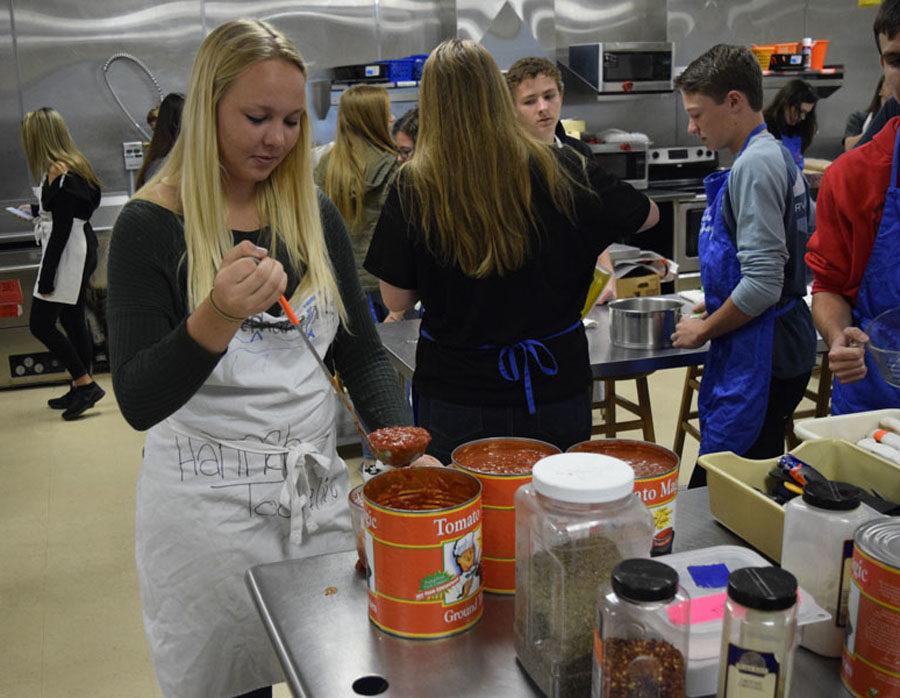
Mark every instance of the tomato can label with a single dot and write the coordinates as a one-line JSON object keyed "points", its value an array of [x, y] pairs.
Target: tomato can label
{"points": [[502, 465], [424, 564], [871, 657]]}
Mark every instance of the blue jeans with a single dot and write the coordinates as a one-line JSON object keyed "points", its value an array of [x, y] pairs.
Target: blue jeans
{"points": [[451, 424]]}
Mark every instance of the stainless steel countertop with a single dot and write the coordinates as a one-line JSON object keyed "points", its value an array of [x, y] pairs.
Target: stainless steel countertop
{"points": [[607, 360], [324, 640]]}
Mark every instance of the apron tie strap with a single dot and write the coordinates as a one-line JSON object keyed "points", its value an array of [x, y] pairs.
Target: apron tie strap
{"points": [[530, 350], [296, 494]]}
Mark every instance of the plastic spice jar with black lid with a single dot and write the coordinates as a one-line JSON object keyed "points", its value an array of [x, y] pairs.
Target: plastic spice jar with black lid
{"points": [[638, 649], [759, 630]]}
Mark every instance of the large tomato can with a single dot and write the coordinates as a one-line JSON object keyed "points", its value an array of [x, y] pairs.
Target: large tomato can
{"points": [[871, 659], [502, 465], [424, 549], [655, 481]]}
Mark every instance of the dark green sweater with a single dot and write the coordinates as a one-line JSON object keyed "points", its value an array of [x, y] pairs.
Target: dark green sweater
{"points": [[157, 366]]}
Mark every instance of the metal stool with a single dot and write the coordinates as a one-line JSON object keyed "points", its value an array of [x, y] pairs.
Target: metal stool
{"points": [[608, 426], [685, 413]]}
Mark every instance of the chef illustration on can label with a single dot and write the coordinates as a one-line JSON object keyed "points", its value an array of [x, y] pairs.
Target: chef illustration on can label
{"points": [[462, 559]]}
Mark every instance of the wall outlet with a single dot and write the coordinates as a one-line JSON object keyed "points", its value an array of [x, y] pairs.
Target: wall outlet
{"points": [[134, 154]]}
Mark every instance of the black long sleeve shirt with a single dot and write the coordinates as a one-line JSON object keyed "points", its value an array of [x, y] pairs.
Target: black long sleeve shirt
{"points": [[157, 366]]}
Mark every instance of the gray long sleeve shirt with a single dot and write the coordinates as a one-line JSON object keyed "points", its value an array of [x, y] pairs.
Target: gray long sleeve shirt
{"points": [[770, 247]]}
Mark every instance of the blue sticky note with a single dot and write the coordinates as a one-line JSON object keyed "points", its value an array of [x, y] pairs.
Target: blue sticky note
{"points": [[709, 576]]}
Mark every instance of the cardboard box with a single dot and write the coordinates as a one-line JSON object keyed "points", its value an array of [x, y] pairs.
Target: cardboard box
{"points": [[634, 286], [750, 514]]}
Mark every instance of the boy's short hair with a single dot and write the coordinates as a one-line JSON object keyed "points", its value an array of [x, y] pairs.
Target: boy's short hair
{"points": [[408, 124], [529, 68], [721, 69], [887, 21]]}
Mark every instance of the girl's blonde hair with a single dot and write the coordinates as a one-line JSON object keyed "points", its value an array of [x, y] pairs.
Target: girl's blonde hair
{"points": [[471, 178], [287, 201], [363, 117], [46, 140]]}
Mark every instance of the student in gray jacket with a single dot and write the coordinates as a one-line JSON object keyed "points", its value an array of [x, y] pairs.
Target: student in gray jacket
{"points": [[752, 242]]}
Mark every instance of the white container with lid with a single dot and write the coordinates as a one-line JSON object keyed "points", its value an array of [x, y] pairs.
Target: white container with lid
{"points": [[704, 575], [818, 548], [575, 522]]}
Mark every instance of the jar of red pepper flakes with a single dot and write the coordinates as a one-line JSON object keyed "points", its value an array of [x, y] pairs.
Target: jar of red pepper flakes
{"points": [[638, 649]]}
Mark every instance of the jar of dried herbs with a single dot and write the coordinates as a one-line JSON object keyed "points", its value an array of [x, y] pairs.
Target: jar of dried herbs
{"points": [[575, 522], [639, 649]]}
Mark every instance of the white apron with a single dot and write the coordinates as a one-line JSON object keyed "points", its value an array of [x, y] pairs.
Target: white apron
{"points": [[70, 271], [245, 473]]}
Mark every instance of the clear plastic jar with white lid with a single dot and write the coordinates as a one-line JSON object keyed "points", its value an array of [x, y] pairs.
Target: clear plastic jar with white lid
{"points": [[639, 649], [576, 520], [817, 548], [759, 634]]}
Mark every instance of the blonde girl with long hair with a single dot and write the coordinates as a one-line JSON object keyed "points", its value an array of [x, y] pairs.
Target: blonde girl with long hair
{"points": [[359, 169], [497, 234], [240, 465], [68, 193]]}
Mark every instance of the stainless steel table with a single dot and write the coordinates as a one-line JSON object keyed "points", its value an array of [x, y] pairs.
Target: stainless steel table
{"points": [[315, 613], [607, 360]]}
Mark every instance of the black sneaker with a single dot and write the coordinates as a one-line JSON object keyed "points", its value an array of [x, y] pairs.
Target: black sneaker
{"points": [[85, 396], [63, 401]]}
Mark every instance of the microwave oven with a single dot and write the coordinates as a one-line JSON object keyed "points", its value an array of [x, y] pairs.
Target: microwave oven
{"points": [[624, 67], [627, 161], [687, 220]]}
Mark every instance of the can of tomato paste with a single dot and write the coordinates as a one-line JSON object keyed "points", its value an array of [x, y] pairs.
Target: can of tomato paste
{"points": [[871, 660], [423, 545], [655, 481], [502, 465]]}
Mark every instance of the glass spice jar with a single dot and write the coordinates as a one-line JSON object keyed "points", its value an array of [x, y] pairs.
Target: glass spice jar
{"points": [[638, 650], [575, 522], [759, 634]]}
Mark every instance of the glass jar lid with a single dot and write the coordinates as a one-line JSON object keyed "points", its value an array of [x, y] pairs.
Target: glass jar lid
{"points": [[763, 588], [639, 579], [583, 478]]}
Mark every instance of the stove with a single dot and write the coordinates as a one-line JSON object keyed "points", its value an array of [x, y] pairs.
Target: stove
{"points": [[681, 168]]}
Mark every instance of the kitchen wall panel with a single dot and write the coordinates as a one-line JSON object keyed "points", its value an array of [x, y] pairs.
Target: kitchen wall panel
{"points": [[509, 29], [587, 21], [14, 182], [62, 47]]}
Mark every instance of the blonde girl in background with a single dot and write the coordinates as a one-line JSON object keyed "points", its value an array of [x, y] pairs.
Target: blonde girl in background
{"points": [[357, 172], [68, 192], [240, 465]]}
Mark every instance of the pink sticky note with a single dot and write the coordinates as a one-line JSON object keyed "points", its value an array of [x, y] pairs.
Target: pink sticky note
{"points": [[702, 610]]}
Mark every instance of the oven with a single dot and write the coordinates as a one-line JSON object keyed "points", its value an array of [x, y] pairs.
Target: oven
{"points": [[627, 161], [624, 67], [687, 215]]}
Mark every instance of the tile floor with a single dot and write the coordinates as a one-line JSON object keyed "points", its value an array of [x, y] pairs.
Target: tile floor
{"points": [[70, 621]]}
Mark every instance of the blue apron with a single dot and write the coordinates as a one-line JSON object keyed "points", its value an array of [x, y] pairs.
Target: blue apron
{"points": [[794, 145], [878, 292], [514, 360], [734, 392]]}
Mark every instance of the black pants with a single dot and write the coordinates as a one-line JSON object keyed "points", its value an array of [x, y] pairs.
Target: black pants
{"points": [[561, 423], [74, 348], [784, 396]]}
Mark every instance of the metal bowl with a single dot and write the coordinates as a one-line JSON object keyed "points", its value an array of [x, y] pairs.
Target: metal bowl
{"points": [[643, 323]]}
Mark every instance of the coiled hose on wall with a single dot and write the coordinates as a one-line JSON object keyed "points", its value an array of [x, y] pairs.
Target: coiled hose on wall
{"points": [[140, 64]]}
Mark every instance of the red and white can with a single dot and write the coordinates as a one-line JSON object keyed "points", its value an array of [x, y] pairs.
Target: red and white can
{"points": [[655, 481], [871, 660], [423, 549], [502, 465]]}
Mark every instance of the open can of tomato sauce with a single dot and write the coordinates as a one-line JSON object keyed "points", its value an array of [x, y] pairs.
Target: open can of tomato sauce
{"points": [[423, 543], [502, 465], [871, 660], [655, 481]]}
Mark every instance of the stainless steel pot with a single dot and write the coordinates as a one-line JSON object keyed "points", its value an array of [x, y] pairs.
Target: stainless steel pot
{"points": [[643, 323]]}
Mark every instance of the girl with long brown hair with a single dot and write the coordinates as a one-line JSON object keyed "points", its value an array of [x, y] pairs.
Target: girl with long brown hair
{"points": [[69, 193], [497, 234], [358, 171]]}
